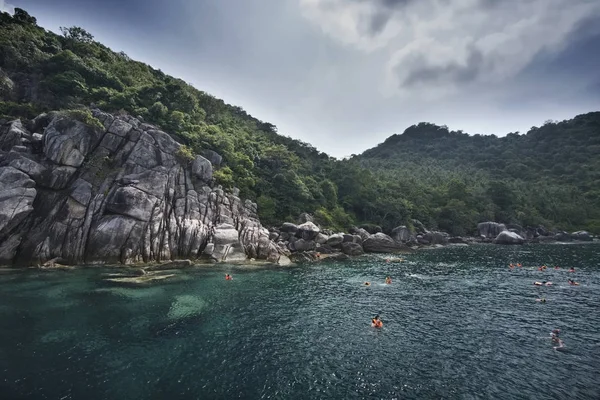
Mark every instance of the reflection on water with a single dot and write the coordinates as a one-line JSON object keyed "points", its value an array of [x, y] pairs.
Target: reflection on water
{"points": [[458, 323]]}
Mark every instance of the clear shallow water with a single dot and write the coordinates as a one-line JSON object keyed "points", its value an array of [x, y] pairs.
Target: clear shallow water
{"points": [[457, 324]]}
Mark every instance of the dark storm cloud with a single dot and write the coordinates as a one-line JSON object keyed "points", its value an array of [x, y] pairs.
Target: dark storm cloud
{"points": [[345, 74], [421, 73]]}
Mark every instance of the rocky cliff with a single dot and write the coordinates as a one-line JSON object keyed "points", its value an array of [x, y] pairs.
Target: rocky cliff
{"points": [[111, 189]]}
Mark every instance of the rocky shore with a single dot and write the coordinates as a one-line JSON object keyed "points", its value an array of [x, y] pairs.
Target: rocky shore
{"points": [[77, 188]]}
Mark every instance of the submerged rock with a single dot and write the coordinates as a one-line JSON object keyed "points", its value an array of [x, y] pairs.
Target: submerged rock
{"points": [[140, 280]]}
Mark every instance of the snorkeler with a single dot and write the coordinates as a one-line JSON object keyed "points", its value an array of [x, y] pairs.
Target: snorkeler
{"points": [[388, 280], [228, 277], [376, 322]]}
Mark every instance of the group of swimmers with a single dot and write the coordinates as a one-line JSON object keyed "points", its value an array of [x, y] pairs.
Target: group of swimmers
{"points": [[543, 268], [554, 335], [376, 322], [388, 281]]}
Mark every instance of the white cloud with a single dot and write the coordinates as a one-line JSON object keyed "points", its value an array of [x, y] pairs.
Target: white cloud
{"points": [[6, 7], [434, 47]]}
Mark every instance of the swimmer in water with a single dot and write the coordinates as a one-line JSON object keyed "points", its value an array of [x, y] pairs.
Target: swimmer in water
{"points": [[519, 265], [572, 269], [557, 267], [388, 280], [376, 322], [367, 283], [228, 277], [542, 300], [573, 283], [554, 335], [511, 266]]}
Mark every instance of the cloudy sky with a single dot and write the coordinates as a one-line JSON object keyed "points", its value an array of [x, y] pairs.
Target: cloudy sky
{"points": [[345, 74]]}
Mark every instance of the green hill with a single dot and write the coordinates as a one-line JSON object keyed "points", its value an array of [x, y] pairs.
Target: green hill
{"points": [[448, 180]]}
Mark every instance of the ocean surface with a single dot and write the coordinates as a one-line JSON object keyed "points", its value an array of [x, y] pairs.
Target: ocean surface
{"points": [[458, 324]]}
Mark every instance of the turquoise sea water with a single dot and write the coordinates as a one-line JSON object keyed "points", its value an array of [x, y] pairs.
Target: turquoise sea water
{"points": [[458, 324]]}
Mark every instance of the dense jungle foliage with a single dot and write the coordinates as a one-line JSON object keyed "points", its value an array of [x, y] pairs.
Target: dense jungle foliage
{"points": [[448, 180]]}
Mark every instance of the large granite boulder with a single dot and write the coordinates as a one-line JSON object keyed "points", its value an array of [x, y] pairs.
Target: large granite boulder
{"points": [[382, 243], [490, 229], [308, 231], [403, 234], [582, 235], [321, 238], [227, 244], [202, 169], [335, 240], [563, 237], [434, 237], [352, 249], [507, 237], [288, 227], [302, 245]]}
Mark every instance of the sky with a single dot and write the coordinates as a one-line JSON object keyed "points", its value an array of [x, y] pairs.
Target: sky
{"points": [[344, 75]]}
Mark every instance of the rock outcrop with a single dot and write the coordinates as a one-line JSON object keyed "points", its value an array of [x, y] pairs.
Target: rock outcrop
{"points": [[507, 237], [120, 191], [490, 230], [403, 234], [382, 243]]}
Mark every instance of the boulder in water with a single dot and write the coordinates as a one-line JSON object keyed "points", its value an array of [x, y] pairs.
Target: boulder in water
{"points": [[352, 249], [382, 243], [507, 237], [582, 235], [308, 231]]}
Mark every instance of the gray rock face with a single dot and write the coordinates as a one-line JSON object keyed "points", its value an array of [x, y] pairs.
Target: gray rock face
{"points": [[288, 227], [382, 243], [352, 249], [507, 237], [434, 237], [202, 169], [302, 245], [308, 231], [335, 240], [321, 238], [403, 234], [490, 229], [16, 198], [582, 235], [563, 237], [116, 195]]}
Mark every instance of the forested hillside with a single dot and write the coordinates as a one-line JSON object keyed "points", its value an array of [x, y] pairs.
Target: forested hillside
{"points": [[448, 180]]}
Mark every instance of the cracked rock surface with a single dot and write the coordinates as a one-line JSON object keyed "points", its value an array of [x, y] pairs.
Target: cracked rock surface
{"points": [[117, 194]]}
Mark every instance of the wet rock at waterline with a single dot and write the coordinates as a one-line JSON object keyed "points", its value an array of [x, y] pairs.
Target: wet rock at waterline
{"points": [[507, 237], [119, 191], [382, 243]]}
